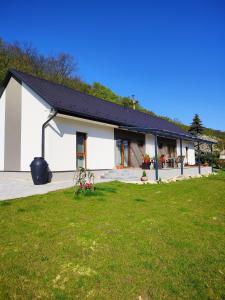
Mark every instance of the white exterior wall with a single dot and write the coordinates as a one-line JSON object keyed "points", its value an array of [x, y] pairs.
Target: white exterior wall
{"points": [[191, 151], [150, 149], [60, 137], [2, 130], [150, 145], [34, 113], [62, 144]]}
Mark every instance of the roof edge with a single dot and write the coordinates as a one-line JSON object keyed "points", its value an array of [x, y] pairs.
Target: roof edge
{"points": [[13, 72]]}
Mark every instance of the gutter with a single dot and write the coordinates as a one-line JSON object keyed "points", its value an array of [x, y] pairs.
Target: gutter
{"points": [[43, 132]]}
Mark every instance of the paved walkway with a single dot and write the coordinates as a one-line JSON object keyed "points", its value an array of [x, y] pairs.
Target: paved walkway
{"points": [[19, 185], [167, 173], [12, 188], [17, 188]]}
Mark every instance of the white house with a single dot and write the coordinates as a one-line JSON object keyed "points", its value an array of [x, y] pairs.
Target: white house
{"points": [[83, 130]]}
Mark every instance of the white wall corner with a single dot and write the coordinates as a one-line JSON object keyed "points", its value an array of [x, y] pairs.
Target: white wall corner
{"points": [[188, 150], [150, 145], [2, 130], [35, 112]]}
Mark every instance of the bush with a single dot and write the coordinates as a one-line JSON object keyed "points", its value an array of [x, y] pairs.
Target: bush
{"points": [[221, 163], [206, 157], [84, 182], [144, 174]]}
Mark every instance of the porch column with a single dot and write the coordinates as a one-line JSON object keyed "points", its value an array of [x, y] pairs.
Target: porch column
{"points": [[181, 159], [156, 159], [211, 149], [199, 162]]}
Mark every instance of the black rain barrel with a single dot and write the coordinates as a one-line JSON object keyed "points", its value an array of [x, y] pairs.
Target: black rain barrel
{"points": [[39, 171]]}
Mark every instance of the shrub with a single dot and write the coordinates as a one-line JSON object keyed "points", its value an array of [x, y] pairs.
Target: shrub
{"points": [[84, 182], [206, 157], [144, 174], [221, 163]]}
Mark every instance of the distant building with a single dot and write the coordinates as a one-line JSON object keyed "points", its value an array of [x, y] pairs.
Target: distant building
{"points": [[222, 154]]}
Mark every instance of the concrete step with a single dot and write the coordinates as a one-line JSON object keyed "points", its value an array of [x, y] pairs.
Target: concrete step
{"points": [[124, 174]]}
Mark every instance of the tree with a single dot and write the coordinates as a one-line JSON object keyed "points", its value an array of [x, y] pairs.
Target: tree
{"points": [[57, 68], [127, 102], [196, 125], [100, 91]]}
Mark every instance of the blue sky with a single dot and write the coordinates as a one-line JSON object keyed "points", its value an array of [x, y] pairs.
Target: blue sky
{"points": [[170, 54]]}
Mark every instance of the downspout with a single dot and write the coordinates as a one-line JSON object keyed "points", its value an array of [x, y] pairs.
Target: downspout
{"points": [[211, 150], [156, 159], [199, 161], [181, 158], [43, 133]]}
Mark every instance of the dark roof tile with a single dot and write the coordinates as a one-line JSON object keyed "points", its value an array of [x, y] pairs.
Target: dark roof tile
{"points": [[72, 102]]}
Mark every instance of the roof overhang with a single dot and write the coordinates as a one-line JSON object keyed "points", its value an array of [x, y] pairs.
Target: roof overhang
{"points": [[168, 134], [87, 120]]}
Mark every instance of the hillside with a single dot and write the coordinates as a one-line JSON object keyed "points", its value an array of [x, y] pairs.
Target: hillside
{"points": [[61, 69]]}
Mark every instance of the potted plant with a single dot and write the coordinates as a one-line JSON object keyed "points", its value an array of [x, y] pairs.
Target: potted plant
{"points": [[162, 161], [146, 162], [146, 158], [144, 176]]}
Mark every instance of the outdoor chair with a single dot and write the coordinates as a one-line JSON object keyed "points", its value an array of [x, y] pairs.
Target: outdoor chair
{"points": [[179, 160]]}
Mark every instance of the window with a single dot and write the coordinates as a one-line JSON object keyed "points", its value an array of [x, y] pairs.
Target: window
{"points": [[186, 154], [81, 150]]}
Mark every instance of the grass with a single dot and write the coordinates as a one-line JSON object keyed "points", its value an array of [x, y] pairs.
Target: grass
{"points": [[162, 241]]}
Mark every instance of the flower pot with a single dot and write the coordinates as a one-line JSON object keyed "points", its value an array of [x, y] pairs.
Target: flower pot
{"points": [[144, 178], [146, 166]]}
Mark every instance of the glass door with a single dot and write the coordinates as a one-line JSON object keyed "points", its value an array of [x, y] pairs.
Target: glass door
{"points": [[125, 153], [118, 153], [122, 153], [81, 150]]}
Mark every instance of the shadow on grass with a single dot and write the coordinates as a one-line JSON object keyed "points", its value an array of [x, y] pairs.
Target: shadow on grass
{"points": [[220, 176], [106, 189], [99, 193], [21, 210], [5, 203], [32, 208], [139, 200]]}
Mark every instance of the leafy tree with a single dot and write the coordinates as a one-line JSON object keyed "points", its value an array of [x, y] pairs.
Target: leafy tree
{"points": [[26, 58], [196, 126], [100, 91], [127, 102]]}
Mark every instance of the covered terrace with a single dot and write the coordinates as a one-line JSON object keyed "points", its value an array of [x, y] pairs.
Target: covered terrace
{"points": [[157, 133]]}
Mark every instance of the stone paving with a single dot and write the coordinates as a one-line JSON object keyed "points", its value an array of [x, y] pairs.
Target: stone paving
{"points": [[12, 188], [131, 175], [20, 185], [17, 188]]}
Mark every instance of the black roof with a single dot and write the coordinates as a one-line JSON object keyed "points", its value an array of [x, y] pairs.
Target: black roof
{"points": [[71, 102]]}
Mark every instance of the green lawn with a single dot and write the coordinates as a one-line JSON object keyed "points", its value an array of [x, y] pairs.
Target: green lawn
{"points": [[163, 241]]}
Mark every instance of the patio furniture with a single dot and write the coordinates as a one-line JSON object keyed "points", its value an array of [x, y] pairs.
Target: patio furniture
{"points": [[146, 166], [162, 161], [171, 162], [179, 160]]}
